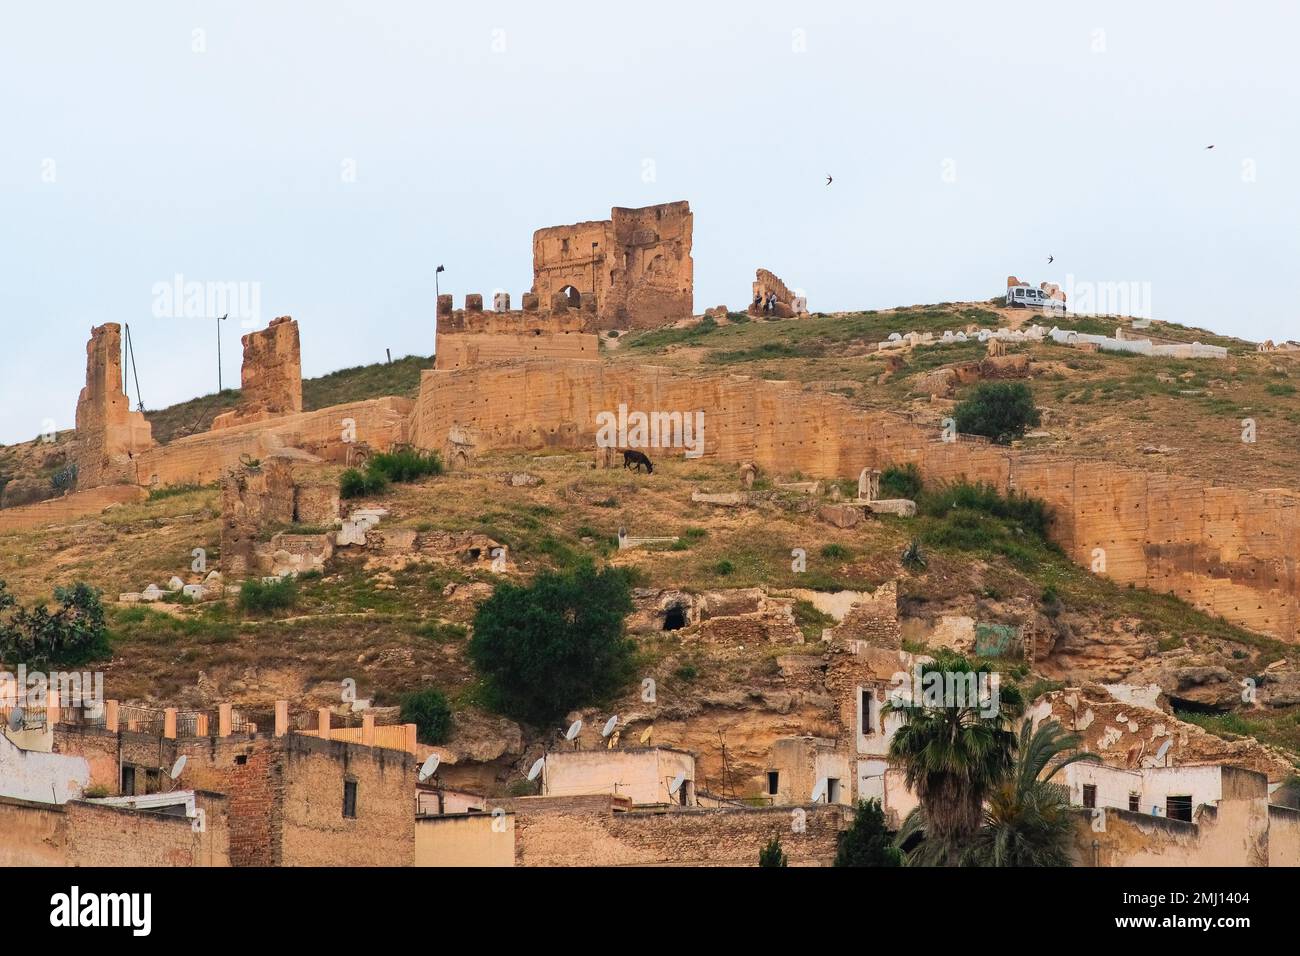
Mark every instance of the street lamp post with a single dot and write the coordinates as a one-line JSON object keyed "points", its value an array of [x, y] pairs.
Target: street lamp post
{"points": [[220, 319]]}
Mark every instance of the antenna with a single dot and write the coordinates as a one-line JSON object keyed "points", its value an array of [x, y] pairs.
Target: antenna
{"points": [[16, 717], [819, 791], [645, 736], [609, 726], [536, 768], [175, 771], [429, 767]]}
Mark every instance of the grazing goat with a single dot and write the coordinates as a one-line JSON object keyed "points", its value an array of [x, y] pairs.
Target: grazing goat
{"points": [[631, 458]]}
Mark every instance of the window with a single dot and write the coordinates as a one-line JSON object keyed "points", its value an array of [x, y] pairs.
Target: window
{"points": [[1135, 802], [350, 798], [865, 699], [1179, 808], [773, 782], [832, 790], [564, 246], [1089, 795], [152, 781], [128, 781]]}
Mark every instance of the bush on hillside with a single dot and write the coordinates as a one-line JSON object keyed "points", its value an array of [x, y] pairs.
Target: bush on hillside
{"points": [[558, 643], [1000, 411]]}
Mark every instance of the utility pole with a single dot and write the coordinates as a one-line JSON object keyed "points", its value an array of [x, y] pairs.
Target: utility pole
{"points": [[219, 321]]}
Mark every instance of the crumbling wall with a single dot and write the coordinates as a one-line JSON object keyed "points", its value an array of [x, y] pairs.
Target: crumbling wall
{"points": [[271, 375], [1228, 551], [634, 270], [109, 434], [788, 305], [466, 337]]}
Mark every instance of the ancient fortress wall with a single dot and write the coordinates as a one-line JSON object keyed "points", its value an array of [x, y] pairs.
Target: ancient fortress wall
{"points": [[199, 459], [68, 508], [1228, 551], [270, 377]]}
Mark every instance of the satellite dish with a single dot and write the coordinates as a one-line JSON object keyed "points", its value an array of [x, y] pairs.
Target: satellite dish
{"points": [[609, 726], [676, 784], [1164, 749], [429, 767], [819, 791], [177, 767], [536, 768], [645, 736], [575, 728], [16, 718]]}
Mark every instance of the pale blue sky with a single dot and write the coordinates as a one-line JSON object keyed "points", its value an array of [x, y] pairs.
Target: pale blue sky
{"points": [[227, 165]]}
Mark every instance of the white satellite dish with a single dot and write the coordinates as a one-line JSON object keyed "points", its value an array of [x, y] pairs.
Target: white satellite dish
{"points": [[16, 719], [609, 726], [429, 767], [575, 728], [1164, 749], [177, 767], [819, 791], [676, 784], [536, 768]]}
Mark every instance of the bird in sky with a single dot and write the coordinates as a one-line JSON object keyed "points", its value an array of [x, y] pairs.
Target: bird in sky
{"points": [[828, 180], [1211, 146], [1050, 259]]}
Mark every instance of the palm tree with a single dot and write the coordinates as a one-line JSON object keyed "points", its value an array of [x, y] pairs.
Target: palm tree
{"points": [[954, 755], [1027, 821]]}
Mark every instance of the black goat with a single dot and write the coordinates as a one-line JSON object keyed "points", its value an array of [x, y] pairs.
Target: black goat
{"points": [[632, 457]]}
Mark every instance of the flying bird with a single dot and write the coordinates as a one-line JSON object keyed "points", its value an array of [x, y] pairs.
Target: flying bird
{"points": [[1211, 146], [1050, 259], [828, 180]]}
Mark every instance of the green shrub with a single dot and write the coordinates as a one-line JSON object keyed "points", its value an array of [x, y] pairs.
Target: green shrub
{"points": [[724, 568], [867, 842], [429, 711], [555, 644], [772, 854], [1029, 514], [355, 483], [1001, 411], [73, 634], [904, 482], [835, 552], [405, 464], [262, 597]]}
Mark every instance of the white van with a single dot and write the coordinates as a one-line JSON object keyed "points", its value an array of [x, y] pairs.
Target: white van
{"points": [[1027, 297]]}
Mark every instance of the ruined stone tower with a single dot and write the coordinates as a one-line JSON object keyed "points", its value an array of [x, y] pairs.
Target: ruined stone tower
{"points": [[271, 376], [109, 434]]}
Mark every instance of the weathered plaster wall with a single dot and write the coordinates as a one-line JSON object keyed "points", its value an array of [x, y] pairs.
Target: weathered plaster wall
{"points": [[465, 839]]}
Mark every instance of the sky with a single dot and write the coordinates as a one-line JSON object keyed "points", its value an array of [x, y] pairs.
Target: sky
{"points": [[319, 159]]}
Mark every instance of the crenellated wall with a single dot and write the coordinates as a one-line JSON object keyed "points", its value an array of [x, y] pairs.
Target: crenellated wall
{"points": [[1232, 552]]}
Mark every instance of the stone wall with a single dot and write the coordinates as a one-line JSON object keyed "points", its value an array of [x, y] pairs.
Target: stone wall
{"points": [[285, 794], [270, 377], [79, 504], [87, 834], [109, 434], [466, 337], [587, 831], [1232, 552], [636, 265], [201, 459]]}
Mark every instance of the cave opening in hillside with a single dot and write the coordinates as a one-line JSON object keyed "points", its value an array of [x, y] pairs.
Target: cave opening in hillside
{"points": [[675, 618]]}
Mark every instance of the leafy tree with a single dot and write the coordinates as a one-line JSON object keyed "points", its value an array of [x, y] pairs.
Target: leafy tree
{"points": [[73, 634], [867, 842], [556, 644], [1001, 411], [262, 597], [1027, 820], [772, 854], [953, 754], [429, 711]]}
